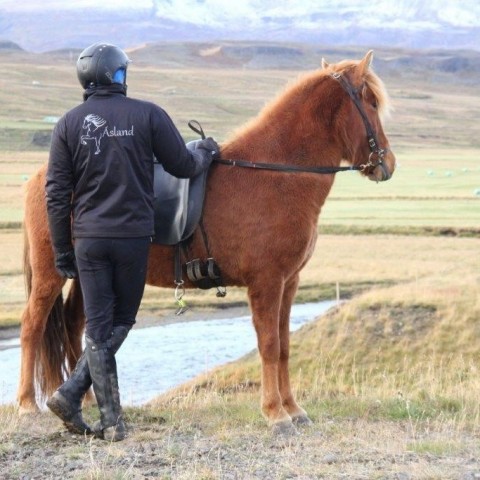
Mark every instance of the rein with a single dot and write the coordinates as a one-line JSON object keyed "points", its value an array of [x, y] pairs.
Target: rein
{"points": [[197, 128], [286, 168]]}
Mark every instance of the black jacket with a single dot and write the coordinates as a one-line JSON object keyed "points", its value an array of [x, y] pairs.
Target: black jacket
{"points": [[100, 170]]}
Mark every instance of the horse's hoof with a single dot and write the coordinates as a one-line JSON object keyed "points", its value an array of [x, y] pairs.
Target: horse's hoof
{"points": [[302, 421], [30, 410], [285, 429]]}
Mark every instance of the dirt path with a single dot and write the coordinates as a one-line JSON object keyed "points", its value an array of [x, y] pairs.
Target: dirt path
{"points": [[39, 448]]}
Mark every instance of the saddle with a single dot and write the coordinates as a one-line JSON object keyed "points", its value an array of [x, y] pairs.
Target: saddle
{"points": [[177, 204], [178, 207]]}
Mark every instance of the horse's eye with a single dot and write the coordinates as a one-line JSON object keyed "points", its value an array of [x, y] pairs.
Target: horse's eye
{"points": [[375, 105]]}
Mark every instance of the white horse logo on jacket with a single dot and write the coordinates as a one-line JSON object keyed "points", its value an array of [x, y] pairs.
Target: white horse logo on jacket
{"points": [[93, 125]]}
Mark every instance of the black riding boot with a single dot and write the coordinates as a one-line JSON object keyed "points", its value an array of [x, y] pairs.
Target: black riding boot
{"points": [[103, 371], [66, 402]]}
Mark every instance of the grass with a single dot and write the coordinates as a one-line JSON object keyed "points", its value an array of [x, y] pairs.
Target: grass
{"points": [[354, 376]]}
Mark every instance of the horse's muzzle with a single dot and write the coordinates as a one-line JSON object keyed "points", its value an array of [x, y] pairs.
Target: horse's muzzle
{"points": [[384, 168]]}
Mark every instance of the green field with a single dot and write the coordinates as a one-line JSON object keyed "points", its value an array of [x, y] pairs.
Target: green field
{"points": [[437, 188]]}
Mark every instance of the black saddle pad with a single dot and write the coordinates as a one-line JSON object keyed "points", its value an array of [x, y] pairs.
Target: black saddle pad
{"points": [[178, 204]]}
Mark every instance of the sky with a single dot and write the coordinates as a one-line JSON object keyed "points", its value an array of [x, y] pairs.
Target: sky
{"points": [[415, 23], [460, 12]]}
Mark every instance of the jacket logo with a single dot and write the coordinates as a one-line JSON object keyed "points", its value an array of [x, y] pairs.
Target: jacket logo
{"points": [[96, 128]]}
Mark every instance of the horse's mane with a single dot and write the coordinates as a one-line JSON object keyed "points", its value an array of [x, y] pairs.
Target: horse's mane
{"points": [[306, 82], [96, 120]]}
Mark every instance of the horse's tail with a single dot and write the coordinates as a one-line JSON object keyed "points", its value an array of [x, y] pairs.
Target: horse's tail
{"points": [[56, 343], [57, 354], [75, 316], [50, 364], [63, 331]]}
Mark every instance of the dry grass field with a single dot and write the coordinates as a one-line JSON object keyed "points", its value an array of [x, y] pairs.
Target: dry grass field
{"points": [[390, 378]]}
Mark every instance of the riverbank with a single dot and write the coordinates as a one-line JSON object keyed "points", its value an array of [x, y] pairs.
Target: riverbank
{"points": [[162, 355], [162, 317]]}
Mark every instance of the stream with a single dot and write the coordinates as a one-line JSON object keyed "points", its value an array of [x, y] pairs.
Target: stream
{"points": [[155, 359]]}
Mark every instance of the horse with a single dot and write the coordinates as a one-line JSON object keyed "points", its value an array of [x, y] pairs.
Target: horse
{"points": [[261, 225]]}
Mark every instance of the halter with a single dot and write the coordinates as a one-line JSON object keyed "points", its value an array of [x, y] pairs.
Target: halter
{"points": [[375, 151]]}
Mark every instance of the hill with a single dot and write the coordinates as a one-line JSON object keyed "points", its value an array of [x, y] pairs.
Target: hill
{"points": [[449, 66]]}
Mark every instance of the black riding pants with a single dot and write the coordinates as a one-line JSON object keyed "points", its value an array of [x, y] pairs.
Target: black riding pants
{"points": [[112, 274]]}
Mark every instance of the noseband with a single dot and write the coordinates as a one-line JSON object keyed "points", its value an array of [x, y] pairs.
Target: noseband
{"points": [[375, 151]]}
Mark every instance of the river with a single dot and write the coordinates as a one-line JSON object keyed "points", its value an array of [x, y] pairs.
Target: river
{"points": [[155, 359]]}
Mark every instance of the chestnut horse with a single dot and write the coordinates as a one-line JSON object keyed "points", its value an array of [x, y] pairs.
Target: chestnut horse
{"points": [[261, 225]]}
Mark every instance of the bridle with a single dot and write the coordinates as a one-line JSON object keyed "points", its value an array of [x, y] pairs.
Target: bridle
{"points": [[375, 159], [375, 151]]}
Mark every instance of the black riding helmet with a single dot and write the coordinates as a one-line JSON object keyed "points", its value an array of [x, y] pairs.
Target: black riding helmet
{"points": [[102, 64]]}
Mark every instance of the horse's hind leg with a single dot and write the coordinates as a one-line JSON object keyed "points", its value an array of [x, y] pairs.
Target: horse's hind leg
{"points": [[264, 302], [297, 413], [34, 320]]}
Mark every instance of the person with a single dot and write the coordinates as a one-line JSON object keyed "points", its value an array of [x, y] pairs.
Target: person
{"points": [[99, 193]]}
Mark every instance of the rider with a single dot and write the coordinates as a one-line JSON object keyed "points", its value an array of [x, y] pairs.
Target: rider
{"points": [[100, 192]]}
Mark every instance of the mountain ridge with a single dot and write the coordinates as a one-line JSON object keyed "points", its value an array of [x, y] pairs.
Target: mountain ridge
{"points": [[438, 65]]}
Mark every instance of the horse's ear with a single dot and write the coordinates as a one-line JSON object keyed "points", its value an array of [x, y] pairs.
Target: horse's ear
{"points": [[365, 63], [325, 64]]}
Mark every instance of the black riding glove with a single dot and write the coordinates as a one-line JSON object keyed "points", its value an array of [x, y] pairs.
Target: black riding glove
{"points": [[210, 146], [65, 264]]}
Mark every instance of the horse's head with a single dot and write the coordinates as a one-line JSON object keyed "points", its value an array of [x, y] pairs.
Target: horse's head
{"points": [[92, 120], [363, 102]]}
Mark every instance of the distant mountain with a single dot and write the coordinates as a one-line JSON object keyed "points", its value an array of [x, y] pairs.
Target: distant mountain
{"points": [[56, 24], [251, 55]]}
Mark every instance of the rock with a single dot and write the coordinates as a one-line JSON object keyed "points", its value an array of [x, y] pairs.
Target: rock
{"points": [[330, 458]]}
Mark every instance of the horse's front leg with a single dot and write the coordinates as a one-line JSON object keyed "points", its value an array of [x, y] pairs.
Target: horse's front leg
{"points": [[265, 305], [297, 413]]}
